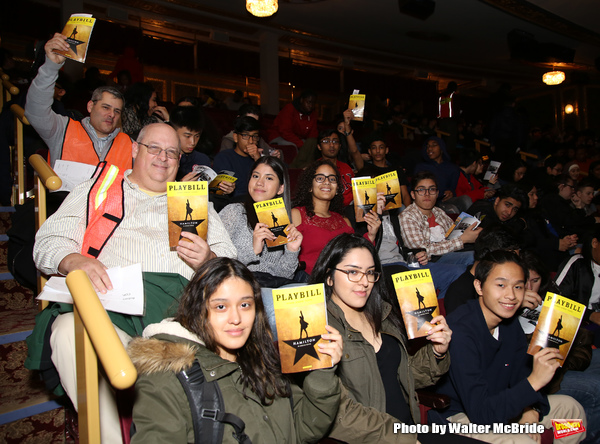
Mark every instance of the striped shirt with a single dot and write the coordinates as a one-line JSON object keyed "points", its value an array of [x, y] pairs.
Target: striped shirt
{"points": [[142, 237]]}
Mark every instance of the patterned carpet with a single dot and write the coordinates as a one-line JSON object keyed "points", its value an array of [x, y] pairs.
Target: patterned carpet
{"points": [[19, 387], [17, 307], [45, 428]]}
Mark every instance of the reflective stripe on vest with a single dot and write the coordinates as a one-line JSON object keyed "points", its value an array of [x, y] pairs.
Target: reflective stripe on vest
{"points": [[445, 106], [104, 209]]}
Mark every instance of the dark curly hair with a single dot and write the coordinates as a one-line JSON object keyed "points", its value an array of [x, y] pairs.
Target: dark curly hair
{"points": [[258, 358], [304, 197]]}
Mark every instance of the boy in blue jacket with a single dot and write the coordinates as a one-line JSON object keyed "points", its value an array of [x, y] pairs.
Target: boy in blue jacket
{"points": [[490, 381]]}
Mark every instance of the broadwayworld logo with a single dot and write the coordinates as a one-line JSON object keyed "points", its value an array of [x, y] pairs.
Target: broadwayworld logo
{"points": [[567, 427]]}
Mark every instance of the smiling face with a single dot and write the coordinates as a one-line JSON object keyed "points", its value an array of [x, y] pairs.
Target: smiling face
{"points": [[502, 293], [325, 190], [188, 139], [151, 172], [352, 296], [574, 172], [105, 114], [434, 151], [231, 313], [506, 208], [331, 148], [264, 183]]}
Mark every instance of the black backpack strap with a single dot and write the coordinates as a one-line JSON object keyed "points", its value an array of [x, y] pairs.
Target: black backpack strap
{"points": [[207, 407]]}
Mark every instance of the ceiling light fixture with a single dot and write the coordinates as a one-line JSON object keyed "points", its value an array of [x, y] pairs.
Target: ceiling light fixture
{"points": [[553, 77], [261, 8], [569, 109]]}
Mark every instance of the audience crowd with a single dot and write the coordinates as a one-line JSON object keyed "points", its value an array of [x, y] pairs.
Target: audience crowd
{"points": [[537, 230]]}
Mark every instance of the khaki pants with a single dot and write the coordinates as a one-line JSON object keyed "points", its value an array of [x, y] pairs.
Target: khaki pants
{"points": [[62, 342], [561, 407]]}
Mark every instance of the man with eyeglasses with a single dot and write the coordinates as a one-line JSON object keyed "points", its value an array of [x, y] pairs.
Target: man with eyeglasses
{"points": [[242, 157], [329, 145], [141, 236], [96, 138], [424, 225]]}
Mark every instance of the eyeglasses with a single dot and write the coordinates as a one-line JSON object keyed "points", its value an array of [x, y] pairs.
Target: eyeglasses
{"points": [[156, 150], [331, 141], [245, 136], [567, 185], [320, 178], [356, 275], [423, 191]]}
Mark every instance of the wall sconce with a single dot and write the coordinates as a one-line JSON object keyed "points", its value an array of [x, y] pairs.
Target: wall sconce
{"points": [[569, 109], [262, 8], [553, 77]]}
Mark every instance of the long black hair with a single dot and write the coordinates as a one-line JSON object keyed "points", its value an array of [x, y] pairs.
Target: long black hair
{"points": [[533, 261], [138, 97], [284, 179], [304, 197], [334, 253], [258, 358]]}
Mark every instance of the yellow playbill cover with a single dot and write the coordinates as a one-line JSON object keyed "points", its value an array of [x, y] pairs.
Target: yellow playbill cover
{"points": [[78, 30], [213, 187], [301, 317], [188, 209], [557, 325], [273, 213], [389, 185], [364, 191], [357, 106], [418, 301]]}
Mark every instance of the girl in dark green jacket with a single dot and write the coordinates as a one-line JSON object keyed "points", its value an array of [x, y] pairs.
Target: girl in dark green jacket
{"points": [[378, 375], [221, 323]]}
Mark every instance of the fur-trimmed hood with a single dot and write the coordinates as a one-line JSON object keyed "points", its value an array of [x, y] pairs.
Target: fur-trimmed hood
{"points": [[173, 351]]}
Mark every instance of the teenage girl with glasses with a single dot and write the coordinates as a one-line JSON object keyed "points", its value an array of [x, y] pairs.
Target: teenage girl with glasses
{"points": [[317, 212], [376, 371]]}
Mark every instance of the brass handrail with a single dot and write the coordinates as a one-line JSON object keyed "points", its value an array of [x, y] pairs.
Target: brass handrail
{"points": [[20, 120], [95, 339]]}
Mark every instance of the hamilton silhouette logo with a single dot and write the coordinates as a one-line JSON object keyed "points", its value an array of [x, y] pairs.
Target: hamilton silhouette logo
{"points": [[190, 225], [422, 314], [277, 229], [72, 41], [366, 206], [554, 340], [389, 196], [304, 346]]}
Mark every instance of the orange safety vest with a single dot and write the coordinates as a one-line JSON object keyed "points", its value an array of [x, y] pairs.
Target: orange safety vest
{"points": [[104, 209], [78, 147]]}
